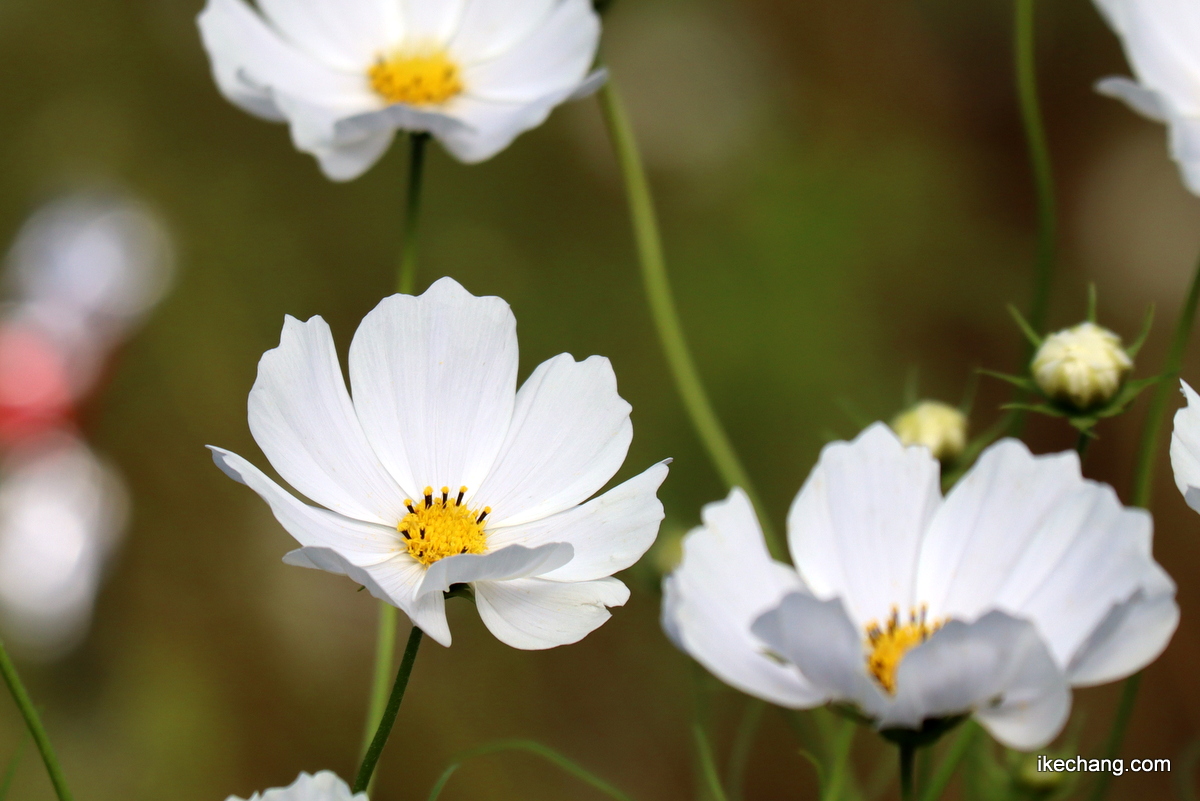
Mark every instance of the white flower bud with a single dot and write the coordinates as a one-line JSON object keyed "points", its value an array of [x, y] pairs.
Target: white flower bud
{"points": [[1082, 366], [938, 426]]}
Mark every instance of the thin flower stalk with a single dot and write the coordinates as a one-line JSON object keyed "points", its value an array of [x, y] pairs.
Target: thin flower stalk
{"points": [[537, 749], [371, 758], [34, 722], [662, 306]]}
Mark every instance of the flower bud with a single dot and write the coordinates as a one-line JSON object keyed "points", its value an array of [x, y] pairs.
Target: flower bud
{"points": [[1082, 366], [938, 426]]}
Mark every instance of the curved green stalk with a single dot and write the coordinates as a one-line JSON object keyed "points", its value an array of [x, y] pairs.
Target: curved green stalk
{"points": [[840, 759], [1039, 157], [34, 723], [412, 213], [662, 306], [908, 753], [385, 650], [708, 765], [1143, 483], [743, 744], [388, 719], [949, 764], [537, 749]]}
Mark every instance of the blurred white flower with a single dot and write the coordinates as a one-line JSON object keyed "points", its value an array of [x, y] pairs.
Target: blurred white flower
{"points": [[62, 511], [347, 74], [83, 271], [324, 786], [1185, 448], [1024, 581], [1081, 366], [938, 426], [1162, 43], [440, 473]]}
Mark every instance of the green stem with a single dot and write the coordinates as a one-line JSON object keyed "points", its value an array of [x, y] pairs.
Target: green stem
{"points": [[708, 765], [1143, 482], [385, 650], [389, 713], [945, 771], [1081, 444], [743, 744], [1147, 452], [662, 306], [35, 725], [1039, 156], [412, 213], [1112, 745], [537, 749], [907, 752], [840, 761]]}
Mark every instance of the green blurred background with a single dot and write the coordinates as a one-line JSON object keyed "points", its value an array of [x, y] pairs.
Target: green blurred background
{"points": [[845, 197]]}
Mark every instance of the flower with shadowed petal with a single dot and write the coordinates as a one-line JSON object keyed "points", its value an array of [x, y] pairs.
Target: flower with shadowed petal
{"points": [[347, 74], [1025, 580], [440, 473]]}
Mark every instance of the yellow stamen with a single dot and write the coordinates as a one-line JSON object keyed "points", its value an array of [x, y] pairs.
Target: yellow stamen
{"points": [[889, 645], [437, 527], [427, 79]]}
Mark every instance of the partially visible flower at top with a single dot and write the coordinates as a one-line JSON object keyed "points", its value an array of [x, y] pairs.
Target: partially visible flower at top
{"points": [[938, 426], [440, 473], [324, 786], [1162, 43], [347, 74], [1083, 366], [1025, 580], [62, 512], [1185, 447]]}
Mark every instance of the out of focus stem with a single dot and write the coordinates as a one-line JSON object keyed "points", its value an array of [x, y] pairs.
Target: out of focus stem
{"points": [[1039, 157], [908, 753], [385, 650], [662, 306], [412, 213], [388, 719], [537, 749], [1143, 485], [34, 723]]}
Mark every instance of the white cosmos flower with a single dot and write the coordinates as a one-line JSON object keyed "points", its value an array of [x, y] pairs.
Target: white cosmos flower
{"points": [[324, 786], [346, 74], [1162, 42], [1185, 448], [1025, 580], [440, 472]]}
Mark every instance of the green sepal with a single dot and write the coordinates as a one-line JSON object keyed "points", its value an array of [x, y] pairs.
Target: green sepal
{"points": [[930, 732]]}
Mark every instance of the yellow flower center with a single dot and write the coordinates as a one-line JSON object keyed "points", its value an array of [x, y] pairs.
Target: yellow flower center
{"points": [[889, 645], [435, 528], [427, 79]]}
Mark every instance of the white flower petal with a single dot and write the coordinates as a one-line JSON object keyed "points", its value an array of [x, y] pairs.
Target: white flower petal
{"points": [[1160, 41], [609, 533], [492, 27], [430, 23], [324, 786], [725, 581], [344, 34], [252, 64], [821, 640], [856, 526], [301, 416], [997, 667], [555, 56], [1030, 536], [569, 435], [1142, 100], [513, 562], [1185, 447], [361, 543], [434, 382], [394, 581], [345, 161], [1132, 636], [534, 614], [489, 126]]}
